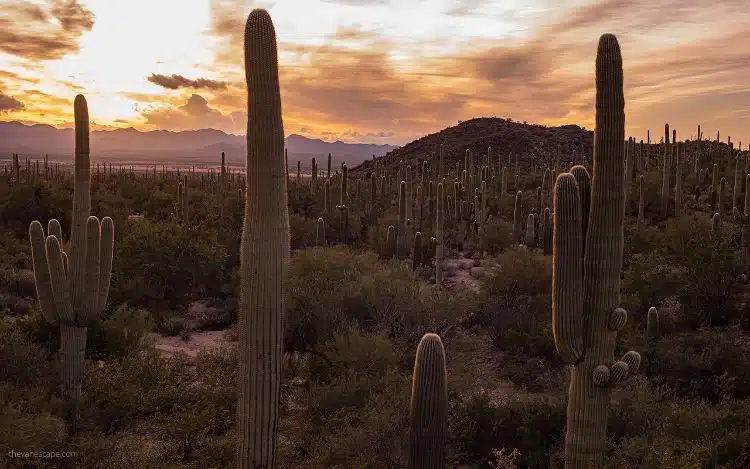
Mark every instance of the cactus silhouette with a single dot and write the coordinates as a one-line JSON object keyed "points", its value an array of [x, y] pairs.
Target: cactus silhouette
{"points": [[72, 288], [586, 287], [264, 256]]}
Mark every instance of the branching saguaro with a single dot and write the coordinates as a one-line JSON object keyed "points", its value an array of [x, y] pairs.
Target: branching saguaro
{"points": [[585, 325], [264, 256], [72, 288]]}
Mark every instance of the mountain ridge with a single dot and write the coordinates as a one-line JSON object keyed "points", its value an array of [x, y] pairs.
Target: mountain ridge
{"points": [[39, 139]]}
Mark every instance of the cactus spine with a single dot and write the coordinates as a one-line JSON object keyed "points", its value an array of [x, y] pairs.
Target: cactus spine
{"points": [[72, 290], [429, 405], [264, 261], [585, 325]]}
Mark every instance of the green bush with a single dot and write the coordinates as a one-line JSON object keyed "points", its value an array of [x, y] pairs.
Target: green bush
{"points": [[533, 426], [710, 364]]}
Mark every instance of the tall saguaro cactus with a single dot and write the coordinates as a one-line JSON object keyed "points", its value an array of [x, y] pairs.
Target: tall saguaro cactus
{"points": [[73, 289], [264, 256], [585, 324]]}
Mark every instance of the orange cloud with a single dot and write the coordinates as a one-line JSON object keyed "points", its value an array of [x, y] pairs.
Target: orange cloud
{"points": [[34, 33], [194, 114]]}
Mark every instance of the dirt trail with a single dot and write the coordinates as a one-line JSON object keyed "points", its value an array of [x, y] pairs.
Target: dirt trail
{"points": [[199, 340], [463, 270]]}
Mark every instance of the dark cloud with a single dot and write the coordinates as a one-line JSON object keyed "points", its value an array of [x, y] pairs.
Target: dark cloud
{"points": [[31, 32], [175, 81], [9, 104]]}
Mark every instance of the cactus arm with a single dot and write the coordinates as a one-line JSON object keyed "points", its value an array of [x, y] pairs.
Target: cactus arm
{"points": [[54, 229], [584, 188], [60, 282], [41, 273], [106, 251], [567, 273]]}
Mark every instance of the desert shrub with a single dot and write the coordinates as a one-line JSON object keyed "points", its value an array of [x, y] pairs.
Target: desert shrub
{"points": [[140, 385], [712, 270], [534, 374], [318, 279], [302, 231], [496, 236], [22, 362], [118, 334], [165, 263], [649, 280], [36, 201], [710, 364], [680, 434], [355, 410], [393, 300], [533, 426], [516, 301]]}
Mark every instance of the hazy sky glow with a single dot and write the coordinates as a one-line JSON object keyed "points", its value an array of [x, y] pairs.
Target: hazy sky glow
{"points": [[376, 70]]}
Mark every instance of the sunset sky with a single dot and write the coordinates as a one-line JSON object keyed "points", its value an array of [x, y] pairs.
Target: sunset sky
{"points": [[376, 71]]}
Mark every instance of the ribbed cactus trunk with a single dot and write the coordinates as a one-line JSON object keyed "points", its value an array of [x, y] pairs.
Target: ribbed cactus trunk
{"points": [[629, 159], [320, 232], [666, 165], [264, 256], [714, 188], [429, 405], [530, 232], [517, 218], [737, 190], [439, 222], [677, 182], [586, 288], [640, 202], [401, 228]]}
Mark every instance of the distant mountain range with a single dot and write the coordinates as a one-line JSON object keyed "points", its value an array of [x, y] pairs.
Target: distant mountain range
{"points": [[34, 141]]}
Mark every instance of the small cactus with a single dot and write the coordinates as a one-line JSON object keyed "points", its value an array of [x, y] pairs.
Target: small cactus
{"points": [[429, 405]]}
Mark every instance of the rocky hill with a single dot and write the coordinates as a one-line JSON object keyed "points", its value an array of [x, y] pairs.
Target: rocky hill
{"points": [[532, 143]]}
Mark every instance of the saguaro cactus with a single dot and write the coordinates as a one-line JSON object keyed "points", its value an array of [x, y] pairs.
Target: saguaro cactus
{"points": [[264, 256], [517, 218], [530, 231], [72, 290], [586, 288], [429, 405], [439, 222]]}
